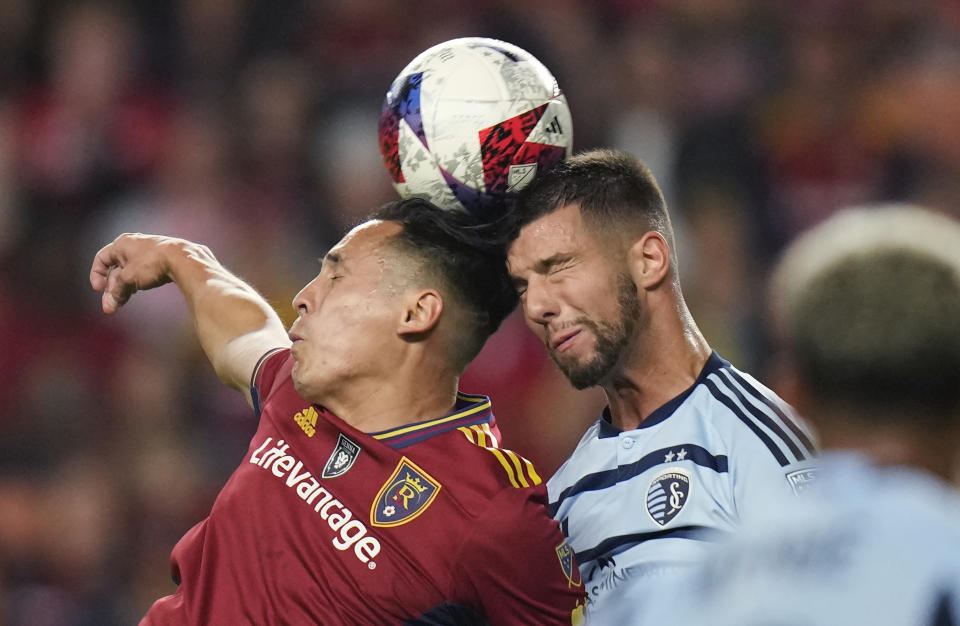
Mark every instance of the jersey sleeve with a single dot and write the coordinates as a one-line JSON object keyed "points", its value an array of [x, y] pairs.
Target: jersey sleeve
{"points": [[520, 565], [264, 381], [764, 468]]}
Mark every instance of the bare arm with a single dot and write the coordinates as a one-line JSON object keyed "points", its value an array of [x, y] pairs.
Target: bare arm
{"points": [[235, 324]]}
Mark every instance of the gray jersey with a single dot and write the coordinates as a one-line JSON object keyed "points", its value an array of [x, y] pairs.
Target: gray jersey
{"points": [[643, 503], [867, 546]]}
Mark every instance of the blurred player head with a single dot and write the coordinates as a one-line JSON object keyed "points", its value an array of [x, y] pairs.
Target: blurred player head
{"points": [[592, 256], [868, 308], [414, 289]]}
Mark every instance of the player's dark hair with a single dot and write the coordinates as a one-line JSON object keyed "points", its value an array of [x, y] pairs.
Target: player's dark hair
{"points": [[881, 332], [466, 255], [616, 192]]}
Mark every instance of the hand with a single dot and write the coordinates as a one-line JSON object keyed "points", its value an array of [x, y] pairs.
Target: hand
{"points": [[131, 263]]}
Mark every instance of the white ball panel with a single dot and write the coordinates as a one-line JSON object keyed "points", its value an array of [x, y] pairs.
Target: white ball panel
{"points": [[555, 128], [419, 166]]}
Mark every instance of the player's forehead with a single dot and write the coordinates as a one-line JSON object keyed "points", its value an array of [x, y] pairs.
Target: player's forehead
{"points": [[562, 231], [365, 240]]}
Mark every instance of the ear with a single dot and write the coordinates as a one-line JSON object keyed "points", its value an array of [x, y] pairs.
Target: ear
{"points": [[421, 312], [649, 260]]}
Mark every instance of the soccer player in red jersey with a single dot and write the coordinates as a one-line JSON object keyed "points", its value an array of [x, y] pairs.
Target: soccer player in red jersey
{"points": [[373, 492]]}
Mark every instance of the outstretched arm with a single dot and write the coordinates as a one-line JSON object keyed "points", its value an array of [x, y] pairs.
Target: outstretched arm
{"points": [[235, 324]]}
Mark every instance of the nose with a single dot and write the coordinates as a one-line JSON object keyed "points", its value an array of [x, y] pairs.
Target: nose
{"points": [[540, 305], [305, 301]]}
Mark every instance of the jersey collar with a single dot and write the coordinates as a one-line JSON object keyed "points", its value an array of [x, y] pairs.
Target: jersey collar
{"points": [[714, 363], [470, 410]]}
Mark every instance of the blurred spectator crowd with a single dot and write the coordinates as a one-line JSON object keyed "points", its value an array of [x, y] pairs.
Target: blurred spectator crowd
{"points": [[250, 125]]}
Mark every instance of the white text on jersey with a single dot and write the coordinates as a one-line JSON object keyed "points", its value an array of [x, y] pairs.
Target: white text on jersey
{"points": [[352, 532]]}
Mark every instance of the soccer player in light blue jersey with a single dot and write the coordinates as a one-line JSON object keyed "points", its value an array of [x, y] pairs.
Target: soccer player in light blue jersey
{"points": [[868, 305], [689, 446]]}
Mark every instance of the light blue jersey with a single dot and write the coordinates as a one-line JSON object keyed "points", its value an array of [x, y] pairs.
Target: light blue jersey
{"points": [[643, 503], [871, 546]]}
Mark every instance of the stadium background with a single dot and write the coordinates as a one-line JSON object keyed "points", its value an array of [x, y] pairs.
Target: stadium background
{"points": [[250, 125]]}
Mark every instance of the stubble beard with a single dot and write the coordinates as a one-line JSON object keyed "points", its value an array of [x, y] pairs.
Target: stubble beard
{"points": [[612, 338]]}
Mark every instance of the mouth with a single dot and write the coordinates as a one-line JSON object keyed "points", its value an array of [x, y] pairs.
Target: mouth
{"points": [[295, 339], [564, 340]]}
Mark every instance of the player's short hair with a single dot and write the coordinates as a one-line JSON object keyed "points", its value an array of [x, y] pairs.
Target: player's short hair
{"points": [[466, 258], [869, 305], [617, 194]]}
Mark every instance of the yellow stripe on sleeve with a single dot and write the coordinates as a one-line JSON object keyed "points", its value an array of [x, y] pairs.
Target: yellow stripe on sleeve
{"points": [[532, 472], [506, 466], [467, 433], [516, 463], [519, 470], [481, 436], [493, 440]]}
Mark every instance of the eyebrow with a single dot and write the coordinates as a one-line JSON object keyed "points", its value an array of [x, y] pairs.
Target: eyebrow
{"points": [[544, 265], [331, 257]]}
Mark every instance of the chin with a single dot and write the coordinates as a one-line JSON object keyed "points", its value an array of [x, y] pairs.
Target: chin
{"points": [[583, 375], [314, 391], [298, 384], [582, 380]]}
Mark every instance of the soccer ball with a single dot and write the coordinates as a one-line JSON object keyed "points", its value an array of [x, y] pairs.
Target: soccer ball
{"points": [[471, 121]]}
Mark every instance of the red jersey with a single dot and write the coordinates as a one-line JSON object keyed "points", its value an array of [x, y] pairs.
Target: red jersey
{"points": [[428, 523]]}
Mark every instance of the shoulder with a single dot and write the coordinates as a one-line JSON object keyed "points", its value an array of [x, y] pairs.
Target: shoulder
{"points": [[856, 518], [832, 548], [493, 468], [747, 415], [909, 504], [270, 372]]}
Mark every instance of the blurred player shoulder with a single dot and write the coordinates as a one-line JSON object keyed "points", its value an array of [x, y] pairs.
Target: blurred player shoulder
{"points": [[844, 534]]}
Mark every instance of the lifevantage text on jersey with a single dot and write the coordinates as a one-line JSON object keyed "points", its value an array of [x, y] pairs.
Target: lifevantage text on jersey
{"points": [[340, 519]]}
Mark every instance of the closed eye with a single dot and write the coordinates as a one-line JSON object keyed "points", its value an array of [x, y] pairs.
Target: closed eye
{"points": [[520, 286], [554, 264], [332, 262]]}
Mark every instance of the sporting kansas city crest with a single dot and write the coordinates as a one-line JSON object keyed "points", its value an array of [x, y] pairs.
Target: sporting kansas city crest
{"points": [[667, 495], [405, 495], [342, 458]]}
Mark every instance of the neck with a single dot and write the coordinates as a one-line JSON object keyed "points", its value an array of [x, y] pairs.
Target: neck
{"points": [[404, 397], [663, 360]]}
